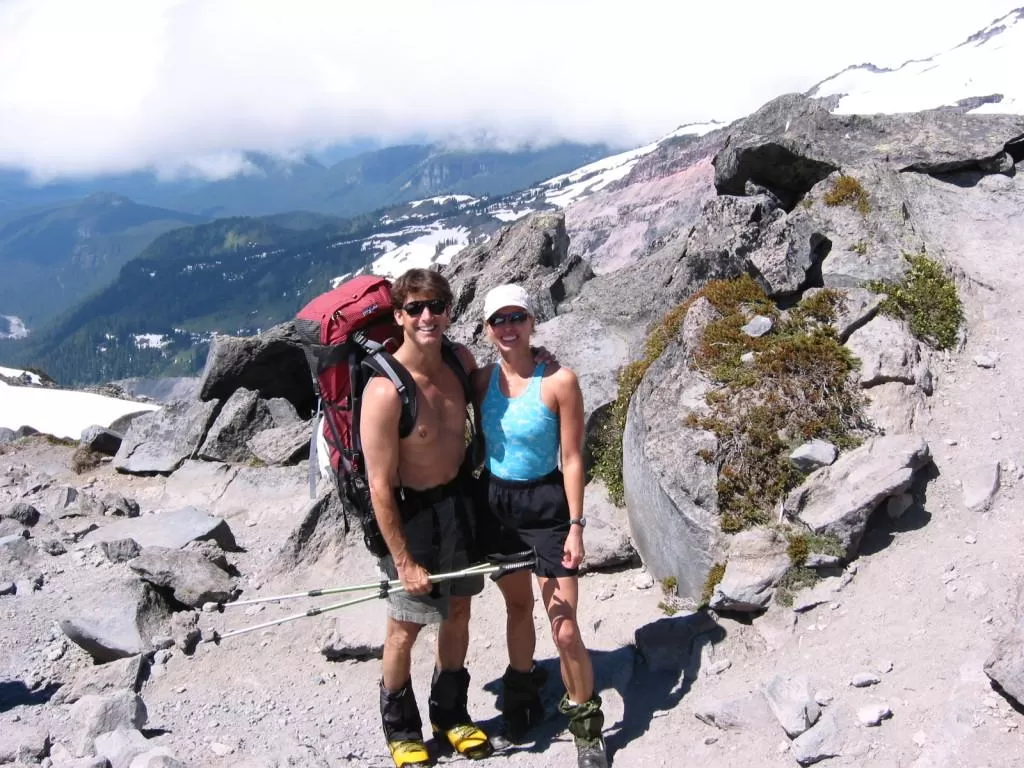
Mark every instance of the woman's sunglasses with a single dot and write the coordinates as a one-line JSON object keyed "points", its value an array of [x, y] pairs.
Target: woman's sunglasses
{"points": [[512, 317], [436, 307]]}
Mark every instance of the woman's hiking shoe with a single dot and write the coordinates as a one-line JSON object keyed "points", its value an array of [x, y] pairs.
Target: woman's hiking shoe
{"points": [[590, 753], [468, 740], [586, 721], [521, 707], [409, 752]]}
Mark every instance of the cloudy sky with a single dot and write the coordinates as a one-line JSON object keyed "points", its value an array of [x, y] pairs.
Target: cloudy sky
{"points": [[92, 86]]}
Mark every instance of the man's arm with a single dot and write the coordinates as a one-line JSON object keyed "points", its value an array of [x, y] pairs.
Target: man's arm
{"points": [[379, 417], [571, 426]]}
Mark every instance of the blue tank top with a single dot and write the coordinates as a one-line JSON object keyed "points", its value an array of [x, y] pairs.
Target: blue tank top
{"points": [[520, 433]]}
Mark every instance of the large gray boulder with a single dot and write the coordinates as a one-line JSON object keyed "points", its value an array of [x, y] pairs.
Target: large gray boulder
{"points": [[271, 363], [116, 619], [670, 490], [532, 252], [159, 442], [193, 579], [594, 352], [173, 529], [241, 418], [839, 499]]}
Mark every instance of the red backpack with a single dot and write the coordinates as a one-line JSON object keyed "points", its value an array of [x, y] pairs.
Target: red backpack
{"points": [[348, 335]]}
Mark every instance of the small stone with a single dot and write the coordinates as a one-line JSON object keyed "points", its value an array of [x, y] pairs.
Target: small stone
{"points": [[643, 580], [824, 698], [986, 360], [758, 326], [56, 651], [950, 441], [605, 594], [864, 679], [969, 539], [747, 358], [783, 747], [709, 740], [221, 749], [873, 714], [920, 738], [886, 667], [987, 620], [996, 435]]}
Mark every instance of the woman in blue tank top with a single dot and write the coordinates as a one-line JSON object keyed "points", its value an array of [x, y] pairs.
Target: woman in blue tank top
{"points": [[532, 418]]}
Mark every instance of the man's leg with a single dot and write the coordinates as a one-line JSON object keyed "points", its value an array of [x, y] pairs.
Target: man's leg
{"points": [[400, 716], [449, 690], [581, 703]]}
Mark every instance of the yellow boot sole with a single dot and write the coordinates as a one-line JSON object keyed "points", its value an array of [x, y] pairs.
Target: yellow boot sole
{"points": [[468, 740]]}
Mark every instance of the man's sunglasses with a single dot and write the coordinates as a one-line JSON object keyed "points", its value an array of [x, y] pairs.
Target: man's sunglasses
{"points": [[436, 307], [512, 317]]}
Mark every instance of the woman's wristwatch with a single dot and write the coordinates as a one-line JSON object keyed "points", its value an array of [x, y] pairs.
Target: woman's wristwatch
{"points": [[582, 522]]}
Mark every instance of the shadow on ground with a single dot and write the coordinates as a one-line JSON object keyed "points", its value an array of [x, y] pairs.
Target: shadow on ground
{"points": [[14, 693], [651, 676]]}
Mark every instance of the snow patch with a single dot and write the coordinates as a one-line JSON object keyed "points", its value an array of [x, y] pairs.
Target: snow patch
{"points": [[61, 412], [418, 246], [982, 66], [15, 373], [442, 199], [151, 340], [16, 328]]}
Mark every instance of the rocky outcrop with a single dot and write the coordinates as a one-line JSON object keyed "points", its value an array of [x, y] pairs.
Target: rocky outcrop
{"points": [[792, 143], [838, 500], [532, 252], [173, 528], [159, 442], [118, 620], [192, 578], [241, 418], [271, 363], [669, 489]]}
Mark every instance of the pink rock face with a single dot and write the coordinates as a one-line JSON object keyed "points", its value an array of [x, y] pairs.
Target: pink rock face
{"points": [[613, 228]]}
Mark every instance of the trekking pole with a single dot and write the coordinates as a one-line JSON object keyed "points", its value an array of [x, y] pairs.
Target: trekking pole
{"points": [[514, 562], [384, 589]]}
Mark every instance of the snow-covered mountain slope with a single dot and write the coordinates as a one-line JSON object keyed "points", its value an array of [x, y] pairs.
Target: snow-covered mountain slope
{"points": [[982, 74], [60, 412]]}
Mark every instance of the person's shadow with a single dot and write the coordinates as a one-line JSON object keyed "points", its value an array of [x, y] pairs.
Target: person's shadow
{"points": [[651, 676], [14, 693]]}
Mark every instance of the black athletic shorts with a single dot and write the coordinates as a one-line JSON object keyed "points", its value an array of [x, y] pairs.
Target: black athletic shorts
{"points": [[528, 515]]}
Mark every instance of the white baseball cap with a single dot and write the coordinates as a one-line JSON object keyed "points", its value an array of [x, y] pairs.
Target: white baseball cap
{"points": [[508, 295]]}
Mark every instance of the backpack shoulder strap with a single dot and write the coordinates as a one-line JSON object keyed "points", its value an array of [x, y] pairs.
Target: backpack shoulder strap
{"points": [[451, 356], [383, 363]]}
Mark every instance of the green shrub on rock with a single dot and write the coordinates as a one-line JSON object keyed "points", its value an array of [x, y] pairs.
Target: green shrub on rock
{"points": [[846, 190], [927, 299]]}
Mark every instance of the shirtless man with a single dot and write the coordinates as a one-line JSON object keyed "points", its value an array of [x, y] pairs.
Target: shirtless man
{"points": [[417, 486]]}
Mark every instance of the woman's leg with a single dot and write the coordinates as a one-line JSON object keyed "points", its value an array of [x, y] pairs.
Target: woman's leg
{"points": [[560, 596], [517, 589]]}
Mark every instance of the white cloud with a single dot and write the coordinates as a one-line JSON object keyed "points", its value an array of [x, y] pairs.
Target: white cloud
{"points": [[181, 85]]}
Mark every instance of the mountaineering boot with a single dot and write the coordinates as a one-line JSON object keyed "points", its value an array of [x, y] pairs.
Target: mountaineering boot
{"points": [[403, 728], [449, 693], [521, 706], [585, 724]]}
